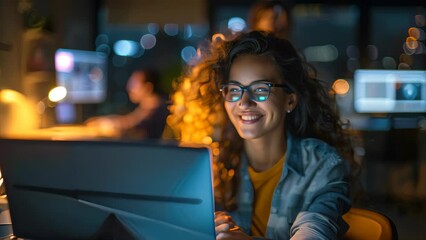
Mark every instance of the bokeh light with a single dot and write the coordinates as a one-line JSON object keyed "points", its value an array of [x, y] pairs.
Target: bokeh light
{"points": [[421, 48], [389, 63], [57, 94], [420, 20], [411, 43], [372, 52], [101, 39], [236, 24], [104, 48], [218, 37], [171, 29], [148, 41], [414, 32], [126, 48], [153, 28], [407, 50], [404, 66], [352, 51], [188, 53], [341, 86], [64, 61], [187, 31], [10, 96], [324, 53]]}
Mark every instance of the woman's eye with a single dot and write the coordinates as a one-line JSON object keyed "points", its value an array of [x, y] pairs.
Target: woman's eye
{"points": [[234, 89], [260, 90]]}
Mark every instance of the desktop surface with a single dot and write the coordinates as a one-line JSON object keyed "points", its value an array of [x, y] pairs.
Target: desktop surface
{"points": [[67, 132], [107, 189]]}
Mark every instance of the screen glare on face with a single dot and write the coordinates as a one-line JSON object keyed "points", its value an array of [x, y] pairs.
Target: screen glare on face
{"points": [[258, 92]]}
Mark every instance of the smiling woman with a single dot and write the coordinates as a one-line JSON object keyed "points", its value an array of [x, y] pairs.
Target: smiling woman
{"points": [[282, 159]]}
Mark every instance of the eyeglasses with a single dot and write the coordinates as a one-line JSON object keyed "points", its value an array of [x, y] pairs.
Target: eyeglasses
{"points": [[257, 91]]}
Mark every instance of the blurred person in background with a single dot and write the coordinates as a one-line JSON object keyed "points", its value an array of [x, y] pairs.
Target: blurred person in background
{"points": [[271, 16], [148, 119]]}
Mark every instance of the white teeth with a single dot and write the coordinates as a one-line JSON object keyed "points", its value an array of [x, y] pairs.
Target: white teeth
{"points": [[250, 117]]}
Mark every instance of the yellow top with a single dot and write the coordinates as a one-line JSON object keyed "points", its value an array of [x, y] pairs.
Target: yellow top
{"points": [[264, 184]]}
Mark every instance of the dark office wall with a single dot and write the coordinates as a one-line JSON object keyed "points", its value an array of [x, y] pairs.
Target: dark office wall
{"points": [[75, 23], [66, 24], [10, 32]]}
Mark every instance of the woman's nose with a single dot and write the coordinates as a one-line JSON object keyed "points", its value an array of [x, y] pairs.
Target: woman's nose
{"points": [[245, 101]]}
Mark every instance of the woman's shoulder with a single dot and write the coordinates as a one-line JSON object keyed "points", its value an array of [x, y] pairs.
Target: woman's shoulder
{"points": [[315, 150], [313, 144], [316, 143]]}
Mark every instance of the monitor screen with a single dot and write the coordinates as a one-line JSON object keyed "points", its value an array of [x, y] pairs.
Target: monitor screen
{"points": [[390, 91], [94, 189], [83, 74]]}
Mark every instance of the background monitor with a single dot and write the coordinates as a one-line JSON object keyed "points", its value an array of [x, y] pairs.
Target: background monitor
{"points": [[108, 190], [83, 74], [390, 91]]}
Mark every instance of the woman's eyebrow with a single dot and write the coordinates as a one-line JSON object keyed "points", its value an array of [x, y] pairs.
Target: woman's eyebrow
{"points": [[255, 81], [233, 81]]}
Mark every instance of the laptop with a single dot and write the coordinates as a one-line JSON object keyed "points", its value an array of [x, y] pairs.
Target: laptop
{"points": [[108, 189]]}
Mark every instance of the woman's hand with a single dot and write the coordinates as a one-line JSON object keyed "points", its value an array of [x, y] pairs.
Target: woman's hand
{"points": [[226, 229]]}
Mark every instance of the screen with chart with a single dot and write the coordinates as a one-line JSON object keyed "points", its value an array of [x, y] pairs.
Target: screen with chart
{"points": [[83, 74]]}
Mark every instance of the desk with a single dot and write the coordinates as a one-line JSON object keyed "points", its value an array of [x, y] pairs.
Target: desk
{"points": [[66, 132]]}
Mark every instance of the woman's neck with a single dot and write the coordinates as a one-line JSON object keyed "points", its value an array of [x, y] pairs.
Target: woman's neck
{"points": [[264, 153]]}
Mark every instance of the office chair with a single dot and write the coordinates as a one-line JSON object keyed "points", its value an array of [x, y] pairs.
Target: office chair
{"points": [[369, 224]]}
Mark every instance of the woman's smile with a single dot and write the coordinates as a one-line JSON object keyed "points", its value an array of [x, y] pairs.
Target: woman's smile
{"points": [[249, 117]]}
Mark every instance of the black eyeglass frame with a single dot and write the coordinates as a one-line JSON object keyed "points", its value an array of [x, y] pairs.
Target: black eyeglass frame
{"points": [[246, 89]]}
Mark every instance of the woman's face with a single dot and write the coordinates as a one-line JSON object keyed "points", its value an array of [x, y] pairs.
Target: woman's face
{"points": [[255, 120]]}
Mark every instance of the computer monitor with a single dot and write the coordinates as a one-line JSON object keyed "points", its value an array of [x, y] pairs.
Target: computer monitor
{"points": [[83, 74], [390, 91], [108, 190]]}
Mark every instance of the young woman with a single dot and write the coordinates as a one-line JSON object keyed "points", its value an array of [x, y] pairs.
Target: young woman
{"points": [[284, 160]]}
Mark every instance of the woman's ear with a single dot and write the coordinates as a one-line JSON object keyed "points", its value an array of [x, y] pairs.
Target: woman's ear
{"points": [[291, 102]]}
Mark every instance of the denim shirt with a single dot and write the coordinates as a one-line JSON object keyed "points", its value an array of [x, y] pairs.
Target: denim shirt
{"points": [[310, 198]]}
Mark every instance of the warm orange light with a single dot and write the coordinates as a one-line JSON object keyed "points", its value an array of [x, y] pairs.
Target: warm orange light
{"points": [[207, 140], [341, 86], [179, 99], [186, 85], [231, 172], [414, 32], [9, 96], [217, 37], [215, 151], [412, 43], [17, 113]]}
